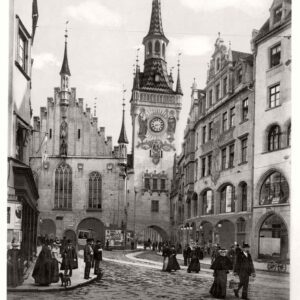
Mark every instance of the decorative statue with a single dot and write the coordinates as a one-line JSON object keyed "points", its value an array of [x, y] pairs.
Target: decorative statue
{"points": [[63, 148], [63, 138], [171, 123], [143, 124]]}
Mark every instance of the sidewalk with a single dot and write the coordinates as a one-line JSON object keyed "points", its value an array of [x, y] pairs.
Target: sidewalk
{"points": [[77, 280]]}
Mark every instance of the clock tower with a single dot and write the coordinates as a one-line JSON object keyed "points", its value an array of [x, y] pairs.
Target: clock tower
{"points": [[155, 109]]}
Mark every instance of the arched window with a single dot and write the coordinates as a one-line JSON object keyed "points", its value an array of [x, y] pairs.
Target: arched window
{"points": [[63, 187], [227, 199], [189, 208], [95, 191], [274, 138], [207, 203], [195, 205], [164, 50], [150, 48], [275, 190], [244, 196], [289, 136], [157, 48]]}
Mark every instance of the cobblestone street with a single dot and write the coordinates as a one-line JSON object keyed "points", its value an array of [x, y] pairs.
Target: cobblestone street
{"points": [[125, 278]]}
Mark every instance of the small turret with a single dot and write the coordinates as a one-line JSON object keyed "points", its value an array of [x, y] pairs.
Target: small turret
{"points": [[178, 85]]}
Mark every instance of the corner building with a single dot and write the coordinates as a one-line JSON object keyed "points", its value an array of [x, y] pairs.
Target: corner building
{"points": [[272, 150], [155, 109], [79, 174], [217, 151]]}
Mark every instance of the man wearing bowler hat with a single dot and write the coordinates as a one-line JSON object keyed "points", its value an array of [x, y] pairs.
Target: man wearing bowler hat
{"points": [[244, 268], [88, 256]]}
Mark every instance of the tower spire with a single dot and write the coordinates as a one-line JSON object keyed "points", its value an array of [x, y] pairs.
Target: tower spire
{"points": [[65, 70], [123, 136], [178, 85]]}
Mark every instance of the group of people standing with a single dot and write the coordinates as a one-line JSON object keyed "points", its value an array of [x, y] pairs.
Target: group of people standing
{"points": [[239, 260], [92, 257], [170, 262]]}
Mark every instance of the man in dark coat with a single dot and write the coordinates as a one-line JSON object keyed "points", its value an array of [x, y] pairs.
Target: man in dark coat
{"points": [[244, 268], [97, 256], [69, 261], [88, 256]]}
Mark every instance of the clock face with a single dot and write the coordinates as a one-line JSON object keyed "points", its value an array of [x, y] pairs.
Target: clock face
{"points": [[157, 124]]}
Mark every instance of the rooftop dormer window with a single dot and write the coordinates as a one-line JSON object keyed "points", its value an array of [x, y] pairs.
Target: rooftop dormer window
{"points": [[277, 14]]}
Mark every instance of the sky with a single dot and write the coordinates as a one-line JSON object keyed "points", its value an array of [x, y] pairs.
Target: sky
{"points": [[105, 34]]}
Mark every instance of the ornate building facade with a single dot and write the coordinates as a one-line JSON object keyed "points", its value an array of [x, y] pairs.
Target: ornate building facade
{"points": [[217, 193], [80, 176], [272, 147], [22, 194], [155, 109]]}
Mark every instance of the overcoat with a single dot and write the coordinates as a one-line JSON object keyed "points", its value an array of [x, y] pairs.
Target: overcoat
{"points": [[69, 257]]}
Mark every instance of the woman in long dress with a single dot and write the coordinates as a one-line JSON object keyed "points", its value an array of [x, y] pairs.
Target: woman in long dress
{"points": [[42, 272], [221, 267], [173, 264], [165, 255], [194, 265], [54, 263]]}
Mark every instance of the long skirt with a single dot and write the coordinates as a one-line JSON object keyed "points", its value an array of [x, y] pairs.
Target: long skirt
{"points": [[42, 272], [54, 270], [194, 266], [172, 264], [165, 263], [218, 289]]}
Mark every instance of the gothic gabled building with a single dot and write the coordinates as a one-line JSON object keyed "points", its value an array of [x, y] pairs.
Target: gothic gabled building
{"points": [[80, 175], [155, 109]]}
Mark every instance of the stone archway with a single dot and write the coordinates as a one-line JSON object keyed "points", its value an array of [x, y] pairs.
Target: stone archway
{"points": [[154, 233], [95, 228], [225, 234], [48, 228], [273, 237], [71, 235]]}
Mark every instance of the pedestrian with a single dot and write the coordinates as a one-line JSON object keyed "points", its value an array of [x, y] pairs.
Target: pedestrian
{"points": [[221, 267], [42, 272], [97, 256], [173, 264], [14, 265], [88, 256], [215, 253], [199, 252], [194, 265], [159, 246], [93, 247], [64, 244], [107, 244], [165, 255], [69, 261], [132, 244], [54, 263], [244, 268], [231, 254]]}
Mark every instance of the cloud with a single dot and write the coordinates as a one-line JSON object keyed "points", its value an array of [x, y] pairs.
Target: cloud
{"points": [[94, 13], [45, 60], [247, 6], [190, 45]]}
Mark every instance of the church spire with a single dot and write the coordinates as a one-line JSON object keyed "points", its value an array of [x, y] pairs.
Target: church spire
{"points": [[65, 70], [178, 85], [156, 22], [123, 136]]}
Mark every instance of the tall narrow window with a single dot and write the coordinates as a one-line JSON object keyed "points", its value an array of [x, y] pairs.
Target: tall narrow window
{"points": [[210, 130], [217, 91], [203, 134], [227, 199], [196, 169], [63, 187], [224, 121], [95, 191], [22, 50], [50, 133], [154, 183], [210, 98], [209, 158], [244, 196], [223, 159], [245, 110], [164, 50], [239, 75], [232, 117], [78, 134], [207, 203], [163, 184], [203, 166], [147, 183], [225, 86], [157, 48], [231, 156], [275, 55], [244, 150], [274, 96], [274, 138]]}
